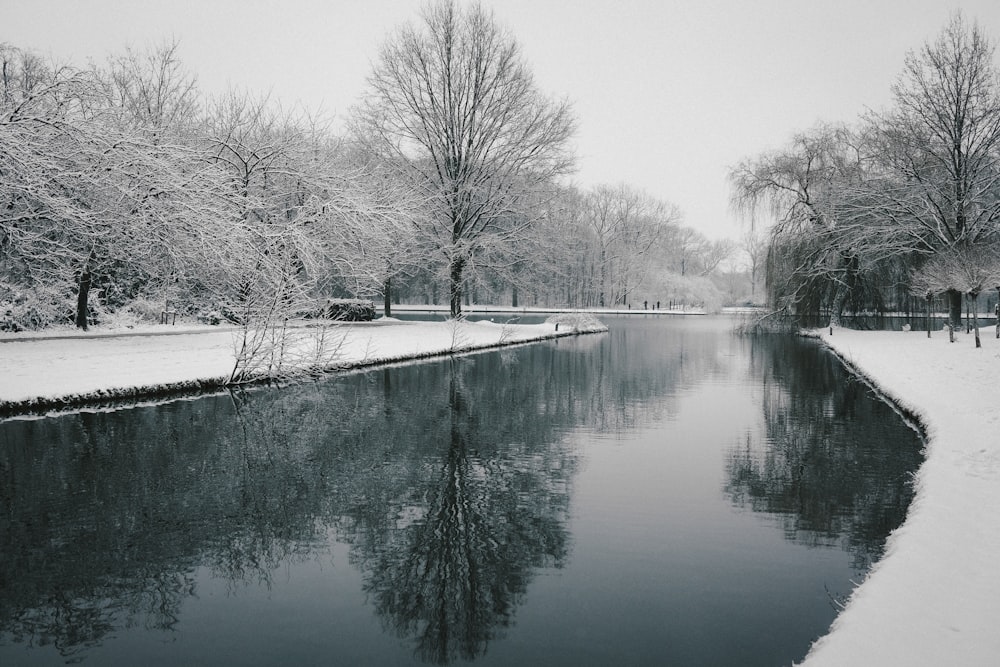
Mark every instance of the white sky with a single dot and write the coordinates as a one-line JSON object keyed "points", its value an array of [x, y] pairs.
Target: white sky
{"points": [[668, 94]]}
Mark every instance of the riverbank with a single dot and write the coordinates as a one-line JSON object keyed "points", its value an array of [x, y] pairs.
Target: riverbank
{"points": [[58, 369], [483, 309], [934, 598]]}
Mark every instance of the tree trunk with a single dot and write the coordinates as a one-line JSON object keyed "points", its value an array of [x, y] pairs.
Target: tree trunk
{"points": [[954, 308], [456, 269], [928, 315], [513, 296], [82, 296], [975, 317], [387, 297], [604, 277], [837, 307]]}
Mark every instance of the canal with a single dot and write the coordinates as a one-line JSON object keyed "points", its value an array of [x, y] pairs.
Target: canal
{"points": [[665, 493]]}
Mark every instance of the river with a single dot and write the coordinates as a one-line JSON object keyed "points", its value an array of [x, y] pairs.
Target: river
{"points": [[665, 493]]}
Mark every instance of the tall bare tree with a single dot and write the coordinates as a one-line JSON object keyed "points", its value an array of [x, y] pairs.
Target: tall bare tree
{"points": [[453, 97], [754, 246], [152, 89], [803, 187], [937, 149]]}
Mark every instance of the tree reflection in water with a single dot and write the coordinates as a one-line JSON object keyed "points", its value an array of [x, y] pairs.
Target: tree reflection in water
{"points": [[835, 463], [456, 561], [450, 486], [448, 482]]}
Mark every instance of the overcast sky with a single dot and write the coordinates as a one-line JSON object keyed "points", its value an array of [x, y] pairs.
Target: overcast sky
{"points": [[668, 94]]}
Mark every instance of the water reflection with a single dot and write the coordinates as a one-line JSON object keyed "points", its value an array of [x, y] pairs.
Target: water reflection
{"points": [[450, 484], [833, 463], [448, 562]]}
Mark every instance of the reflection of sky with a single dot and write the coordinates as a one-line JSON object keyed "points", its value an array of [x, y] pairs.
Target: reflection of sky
{"points": [[660, 552]]}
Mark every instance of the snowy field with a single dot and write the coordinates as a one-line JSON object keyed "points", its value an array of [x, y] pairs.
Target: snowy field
{"points": [[934, 599], [70, 366]]}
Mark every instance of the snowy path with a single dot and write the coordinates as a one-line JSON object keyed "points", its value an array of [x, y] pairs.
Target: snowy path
{"points": [[934, 599], [95, 365]]}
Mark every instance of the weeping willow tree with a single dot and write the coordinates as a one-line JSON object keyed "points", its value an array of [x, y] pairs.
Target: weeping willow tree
{"points": [[857, 210], [812, 263]]}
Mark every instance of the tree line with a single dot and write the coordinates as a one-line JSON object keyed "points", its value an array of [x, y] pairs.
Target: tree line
{"points": [[123, 187], [902, 204]]}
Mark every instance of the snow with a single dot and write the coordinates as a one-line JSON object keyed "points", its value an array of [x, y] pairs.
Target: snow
{"points": [[934, 598], [66, 366]]}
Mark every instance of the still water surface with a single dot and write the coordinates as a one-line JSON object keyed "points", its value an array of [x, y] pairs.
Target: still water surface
{"points": [[665, 494]]}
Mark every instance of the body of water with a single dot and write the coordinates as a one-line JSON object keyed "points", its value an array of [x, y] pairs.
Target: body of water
{"points": [[665, 493]]}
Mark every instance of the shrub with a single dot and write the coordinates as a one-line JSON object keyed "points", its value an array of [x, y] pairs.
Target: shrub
{"points": [[577, 322], [349, 310], [24, 309], [145, 310]]}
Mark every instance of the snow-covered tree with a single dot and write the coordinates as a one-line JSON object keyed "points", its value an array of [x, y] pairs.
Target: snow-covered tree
{"points": [[803, 187], [965, 269], [937, 149], [453, 101]]}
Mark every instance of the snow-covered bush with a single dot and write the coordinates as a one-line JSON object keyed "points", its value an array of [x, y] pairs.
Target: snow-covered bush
{"points": [[213, 317], [40, 307], [349, 310], [145, 310], [577, 322]]}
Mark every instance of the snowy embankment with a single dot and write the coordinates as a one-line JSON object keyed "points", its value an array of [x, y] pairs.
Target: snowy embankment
{"points": [[934, 598], [39, 372]]}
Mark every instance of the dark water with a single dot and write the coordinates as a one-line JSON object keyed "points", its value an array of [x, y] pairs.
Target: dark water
{"points": [[662, 494]]}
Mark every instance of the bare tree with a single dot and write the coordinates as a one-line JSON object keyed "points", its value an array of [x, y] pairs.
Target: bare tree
{"points": [[554, 259], [52, 175], [152, 89], [372, 225], [628, 229], [803, 187], [455, 102], [646, 226], [966, 269], [754, 246], [937, 149]]}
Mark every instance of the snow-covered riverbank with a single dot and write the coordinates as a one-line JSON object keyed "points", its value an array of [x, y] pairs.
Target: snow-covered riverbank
{"points": [[54, 368], [934, 599]]}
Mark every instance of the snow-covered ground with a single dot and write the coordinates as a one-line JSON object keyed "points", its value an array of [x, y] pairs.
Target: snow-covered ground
{"points": [[67, 366], [934, 599]]}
